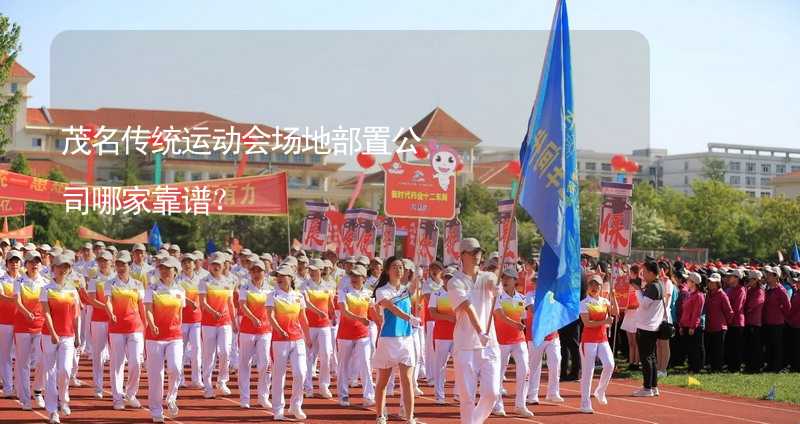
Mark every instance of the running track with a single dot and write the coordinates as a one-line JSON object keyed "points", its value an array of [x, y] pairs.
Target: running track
{"points": [[675, 405]]}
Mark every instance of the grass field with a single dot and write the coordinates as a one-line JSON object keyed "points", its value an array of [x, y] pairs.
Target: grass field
{"points": [[755, 386]]}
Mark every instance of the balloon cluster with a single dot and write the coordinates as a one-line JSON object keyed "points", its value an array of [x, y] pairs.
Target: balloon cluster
{"points": [[514, 167], [623, 164]]}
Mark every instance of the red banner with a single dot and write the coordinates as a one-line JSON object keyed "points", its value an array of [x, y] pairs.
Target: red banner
{"points": [[11, 207], [418, 191], [364, 241], [25, 233], [262, 195], [408, 228], [336, 223], [428, 236], [616, 219], [315, 227], [452, 236], [387, 238], [86, 233]]}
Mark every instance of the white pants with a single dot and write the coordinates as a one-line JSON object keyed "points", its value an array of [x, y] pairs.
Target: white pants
{"points": [[216, 339], [6, 346], [418, 334], [355, 362], [373, 337], [520, 353], [192, 349], [130, 347], [254, 347], [551, 348], [159, 351], [99, 344], [234, 356], [58, 360], [334, 353], [473, 367], [429, 355], [590, 351], [322, 347], [86, 329], [285, 353], [443, 350], [28, 352]]}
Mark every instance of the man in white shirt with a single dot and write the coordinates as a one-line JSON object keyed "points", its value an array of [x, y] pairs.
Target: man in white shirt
{"points": [[476, 351]]}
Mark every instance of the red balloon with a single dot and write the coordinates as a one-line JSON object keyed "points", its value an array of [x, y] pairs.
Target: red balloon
{"points": [[514, 167], [459, 166], [618, 161], [420, 151], [632, 166], [90, 131], [365, 160]]}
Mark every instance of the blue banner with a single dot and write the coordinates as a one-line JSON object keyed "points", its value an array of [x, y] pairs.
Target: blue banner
{"points": [[550, 192], [154, 238]]}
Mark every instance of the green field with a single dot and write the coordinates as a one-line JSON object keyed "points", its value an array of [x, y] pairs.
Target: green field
{"points": [[755, 386]]}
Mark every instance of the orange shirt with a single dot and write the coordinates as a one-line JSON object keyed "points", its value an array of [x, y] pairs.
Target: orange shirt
{"points": [[29, 289], [597, 308], [63, 302], [125, 298], [218, 294], [7, 306], [287, 307], [256, 300], [513, 306], [168, 303]]}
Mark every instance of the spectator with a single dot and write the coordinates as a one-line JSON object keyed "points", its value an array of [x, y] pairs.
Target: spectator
{"points": [[753, 307], [718, 314], [776, 310], [652, 312], [734, 339], [691, 333]]}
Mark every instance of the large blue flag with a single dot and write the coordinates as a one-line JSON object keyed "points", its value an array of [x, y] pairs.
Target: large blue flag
{"points": [[154, 239], [796, 253], [549, 190]]}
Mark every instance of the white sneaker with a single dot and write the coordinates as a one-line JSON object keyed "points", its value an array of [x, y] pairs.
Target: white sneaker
{"points": [[26, 407], [554, 399], [368, 403], [411, 421], [656, 392], [601, 397], [298, 413], [441, 401], [280, 417], [499, 413], [587, 410], [661, 374], [54, 419], [197, 386], [523, 412], [39, 399], [172, 409], [325, 394], [643, 393], [534, 401], [224, 389], [309, 393], [264, 402], [133, 402], [119, 406], [244, 405], [75, 382], [345, 401], [503, 391], [65, 410], [98, 394], [158, 419], [380, 420], [208, 394], [418, 391]]}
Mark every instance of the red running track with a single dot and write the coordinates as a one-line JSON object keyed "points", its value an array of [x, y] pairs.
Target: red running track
{"points": [[675, 405]]}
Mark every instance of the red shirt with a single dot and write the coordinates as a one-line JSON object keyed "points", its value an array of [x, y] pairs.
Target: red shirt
{"points": [[256, 300], [358, 303], [692, 309], [287, 308], [776, 306], [597, 308], [190, 287], [794, 313], [30, 291], [320, 296], [737, 296], [753, 306], [513, 306], [96, 290], [125, 299], [7, 307], [168, 303], [718, 311], [63, 303], [442, 329], [218, 294]]}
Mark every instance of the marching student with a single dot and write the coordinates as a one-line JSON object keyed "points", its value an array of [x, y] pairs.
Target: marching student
{"points": [[319, 311], [550, 347], [218, 319], [124, 296], [753, 315], [476, 352], [98, 330], [290, 335], [395, 347], [690, 330], [718, 314], [255, 336], [596, 313], [189, 281], [441, 312], [509, 314], [8, 308], [164, 301], [28, 322], [352, 339], [61, 308], [431, 284]]}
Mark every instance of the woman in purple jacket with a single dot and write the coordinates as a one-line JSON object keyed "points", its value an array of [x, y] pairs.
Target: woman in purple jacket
{"points": [[690, 330], [718, 314]]}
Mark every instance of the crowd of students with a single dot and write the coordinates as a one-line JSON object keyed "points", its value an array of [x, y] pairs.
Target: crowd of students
{"points": [[363, 322]]}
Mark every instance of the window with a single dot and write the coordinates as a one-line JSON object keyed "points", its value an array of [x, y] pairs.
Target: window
{"points": [[299, 158], [765, 194], [605, 166], [749, 180], [795, 168], [734, 166], [765, 181], [61, 144], [686, 179], [296, 182], [750, 167], [766, 168], [652, 171], [36, 142], [591, 166], [780, 169], [14, 87], [686, 165], [282, 158], [735, 180], [314, 183], [751, 193], [315, 159]]}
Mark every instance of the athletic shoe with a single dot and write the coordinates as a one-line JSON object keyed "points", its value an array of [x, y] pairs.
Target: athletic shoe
{"points": [[264, 402], [499, 413], [208, 394], [26, 407], [554, 399], [224, 389], [656, 392], [244, 405], [66, 410], [279, 417], [587, 410], [133, 402], [368, 403], [98, 394], [661, 374], [54, 418], [325, 394], [158, 419], [503, 391], [119, 405], [197, 386], [172, 409], [380, 420], [601, 397], [298, 413], [411, 421], [39, 400], [75, 382], [534, 401], [643, 393], [441, 401], [523, 412], [418, 391], [345, 401]]}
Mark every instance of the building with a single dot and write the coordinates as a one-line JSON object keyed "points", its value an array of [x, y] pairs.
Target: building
{"points": [[787, 185], [41, 135]]}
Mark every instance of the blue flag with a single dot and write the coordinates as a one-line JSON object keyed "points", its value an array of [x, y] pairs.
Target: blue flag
{"points": [[550, 189], [211, 247], [154, 239], [795, 253]]}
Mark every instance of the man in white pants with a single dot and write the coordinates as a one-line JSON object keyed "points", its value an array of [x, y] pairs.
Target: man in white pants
{"points": [[551, 346], [475, 348]]}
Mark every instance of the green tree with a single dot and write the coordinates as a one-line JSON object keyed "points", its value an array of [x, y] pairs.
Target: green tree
{"points": [[590, 202], [20, 165], [9, 48], [648, 227], [713, 214], [714, 169], [482, 226]]}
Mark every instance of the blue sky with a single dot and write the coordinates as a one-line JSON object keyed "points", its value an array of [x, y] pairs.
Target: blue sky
{"points": [[722, 71]]}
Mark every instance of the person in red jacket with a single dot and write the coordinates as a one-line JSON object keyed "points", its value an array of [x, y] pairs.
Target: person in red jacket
{"points": [[793, 323], [734, 338], [776, 310], [718, 314], [753, 306], [690, 330]]}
